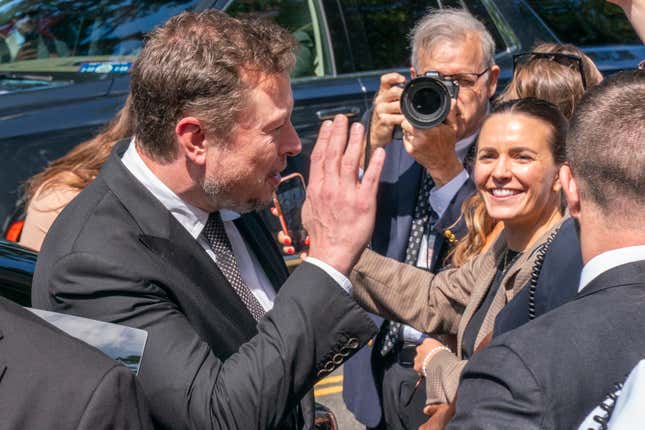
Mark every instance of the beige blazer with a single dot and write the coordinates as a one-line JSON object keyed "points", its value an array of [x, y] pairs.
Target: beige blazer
{"points": [[443, 303]]}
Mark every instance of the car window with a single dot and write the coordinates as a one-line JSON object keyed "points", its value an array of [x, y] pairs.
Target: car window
{"points": [[302, 19], [40, 35], [379, 29], [586, 22]]}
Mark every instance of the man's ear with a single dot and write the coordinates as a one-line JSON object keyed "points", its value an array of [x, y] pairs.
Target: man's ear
{"points": [[571, 190], [413, 73], [491, 85], [191, 139]]}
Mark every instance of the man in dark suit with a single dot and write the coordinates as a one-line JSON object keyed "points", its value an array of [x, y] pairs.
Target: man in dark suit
{"points": [[424, 182], [154, 243], [49, 380], [551, 372]]}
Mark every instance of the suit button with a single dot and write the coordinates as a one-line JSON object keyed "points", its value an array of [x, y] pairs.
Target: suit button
{"points": [[338, 359], [321, 373], [344, 351], [353, 343], [329, 366]]}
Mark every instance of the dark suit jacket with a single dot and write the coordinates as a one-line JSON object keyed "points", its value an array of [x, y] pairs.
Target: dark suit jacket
{"points": [[116, 254], [49, 380], [557, 282], [551, 372], [397, 196]]}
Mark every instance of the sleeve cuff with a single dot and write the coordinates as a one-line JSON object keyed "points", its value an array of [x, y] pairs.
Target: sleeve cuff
{"points": [[440, 198], [340, 279]]}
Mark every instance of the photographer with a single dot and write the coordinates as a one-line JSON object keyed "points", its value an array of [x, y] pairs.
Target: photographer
{"points": [[424, 181]]}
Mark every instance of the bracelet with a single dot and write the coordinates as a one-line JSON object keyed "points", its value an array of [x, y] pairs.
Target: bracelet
{"points": [[431, 354]]}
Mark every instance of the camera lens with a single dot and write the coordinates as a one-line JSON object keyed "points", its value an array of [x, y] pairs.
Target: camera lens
{"points": [[427, 101]]}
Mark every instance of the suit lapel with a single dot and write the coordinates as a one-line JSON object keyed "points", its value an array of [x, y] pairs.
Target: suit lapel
{"points": [[162, 234], [184, 255], [487, 269], [408, 184], [259, 240]]}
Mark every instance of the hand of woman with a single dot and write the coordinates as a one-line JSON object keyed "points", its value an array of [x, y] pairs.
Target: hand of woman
{"points": [[423, 350]]}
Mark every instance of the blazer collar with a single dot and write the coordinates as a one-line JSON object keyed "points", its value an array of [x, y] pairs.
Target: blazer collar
{"points": [[620, 276]]}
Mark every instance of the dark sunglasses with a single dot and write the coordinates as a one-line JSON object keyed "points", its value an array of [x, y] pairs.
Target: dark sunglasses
{"points": [[564, 59]]}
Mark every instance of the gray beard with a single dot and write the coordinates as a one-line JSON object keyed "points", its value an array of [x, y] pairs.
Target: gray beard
{"points": [[222, 195]]}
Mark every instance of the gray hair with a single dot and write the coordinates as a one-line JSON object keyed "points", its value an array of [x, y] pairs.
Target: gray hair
{"points": [[449, 24]]}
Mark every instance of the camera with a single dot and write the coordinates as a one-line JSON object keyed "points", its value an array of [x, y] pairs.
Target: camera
{"points": [[425, 101]]}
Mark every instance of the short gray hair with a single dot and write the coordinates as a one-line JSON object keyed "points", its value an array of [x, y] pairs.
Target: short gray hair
{"points": [[449, 24]]}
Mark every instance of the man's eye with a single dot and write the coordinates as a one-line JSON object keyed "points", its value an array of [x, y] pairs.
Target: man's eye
{"points": [[465, 82]]}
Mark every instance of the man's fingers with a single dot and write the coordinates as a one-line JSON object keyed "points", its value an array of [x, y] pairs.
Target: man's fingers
{"points": [[392, 119], [388, 109], [390, 79], [352, 158], [317, 158], [370, 180], [389, 95], [336, 146]]}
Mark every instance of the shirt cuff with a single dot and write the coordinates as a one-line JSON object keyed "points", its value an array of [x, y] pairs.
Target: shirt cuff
{"points": [[412, 335], [441, 197], [340, 279]]}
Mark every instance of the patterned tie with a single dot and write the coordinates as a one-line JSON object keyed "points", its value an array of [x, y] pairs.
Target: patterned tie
{"points": [[218, 240], [424, 217]]}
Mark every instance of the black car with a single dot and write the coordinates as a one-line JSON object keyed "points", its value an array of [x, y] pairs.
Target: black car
{"points": [[74, 76]]}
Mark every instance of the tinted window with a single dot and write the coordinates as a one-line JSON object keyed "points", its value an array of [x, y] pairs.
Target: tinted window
{"points": [[301, 19], [586, 22], [98, 31], [379, 29]]}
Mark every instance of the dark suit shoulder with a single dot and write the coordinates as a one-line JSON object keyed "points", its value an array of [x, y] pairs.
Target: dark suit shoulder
{"points": [[563, 345], [50, 377], [39, 345]]}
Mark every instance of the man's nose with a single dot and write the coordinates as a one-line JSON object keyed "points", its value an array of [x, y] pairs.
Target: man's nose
{"points": [[290, 143]]}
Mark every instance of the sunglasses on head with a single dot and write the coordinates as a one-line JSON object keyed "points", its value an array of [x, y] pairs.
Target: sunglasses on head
{"points": [[565, 59]]}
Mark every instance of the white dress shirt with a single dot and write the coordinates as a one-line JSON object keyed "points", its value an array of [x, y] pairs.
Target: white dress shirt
{"points": [[194, 220], [608, 260]]}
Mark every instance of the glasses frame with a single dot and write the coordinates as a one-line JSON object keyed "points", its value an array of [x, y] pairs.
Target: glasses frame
{"points": [[552, 56], [476, 75]]}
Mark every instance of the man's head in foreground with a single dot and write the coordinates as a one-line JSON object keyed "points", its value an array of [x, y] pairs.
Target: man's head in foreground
{"points": [[212, 104], [605, 179]]}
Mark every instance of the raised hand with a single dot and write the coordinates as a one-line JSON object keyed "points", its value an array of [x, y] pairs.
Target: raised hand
{"points": [[340, 209]]}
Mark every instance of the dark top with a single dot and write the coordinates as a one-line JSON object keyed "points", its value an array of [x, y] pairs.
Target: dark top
{"points": [[557, 280], [475, 323]]}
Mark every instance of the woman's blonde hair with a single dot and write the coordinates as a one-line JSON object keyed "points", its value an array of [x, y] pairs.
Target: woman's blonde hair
{"points": [[551, 79], [79, 167]]}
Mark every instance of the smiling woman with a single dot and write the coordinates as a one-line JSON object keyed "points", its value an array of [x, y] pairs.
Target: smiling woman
{"points": [[520, 151]]}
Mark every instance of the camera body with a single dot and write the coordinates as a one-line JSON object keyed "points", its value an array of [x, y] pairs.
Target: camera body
{"points": [[425, 101]]}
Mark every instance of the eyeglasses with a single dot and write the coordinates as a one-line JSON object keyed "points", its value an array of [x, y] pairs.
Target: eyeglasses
{"points": [[566, 60], [466, 80]]}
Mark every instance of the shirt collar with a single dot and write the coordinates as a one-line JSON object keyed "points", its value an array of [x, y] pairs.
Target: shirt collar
{"points": [[192, 218], [463, 146], [608, 260]]}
